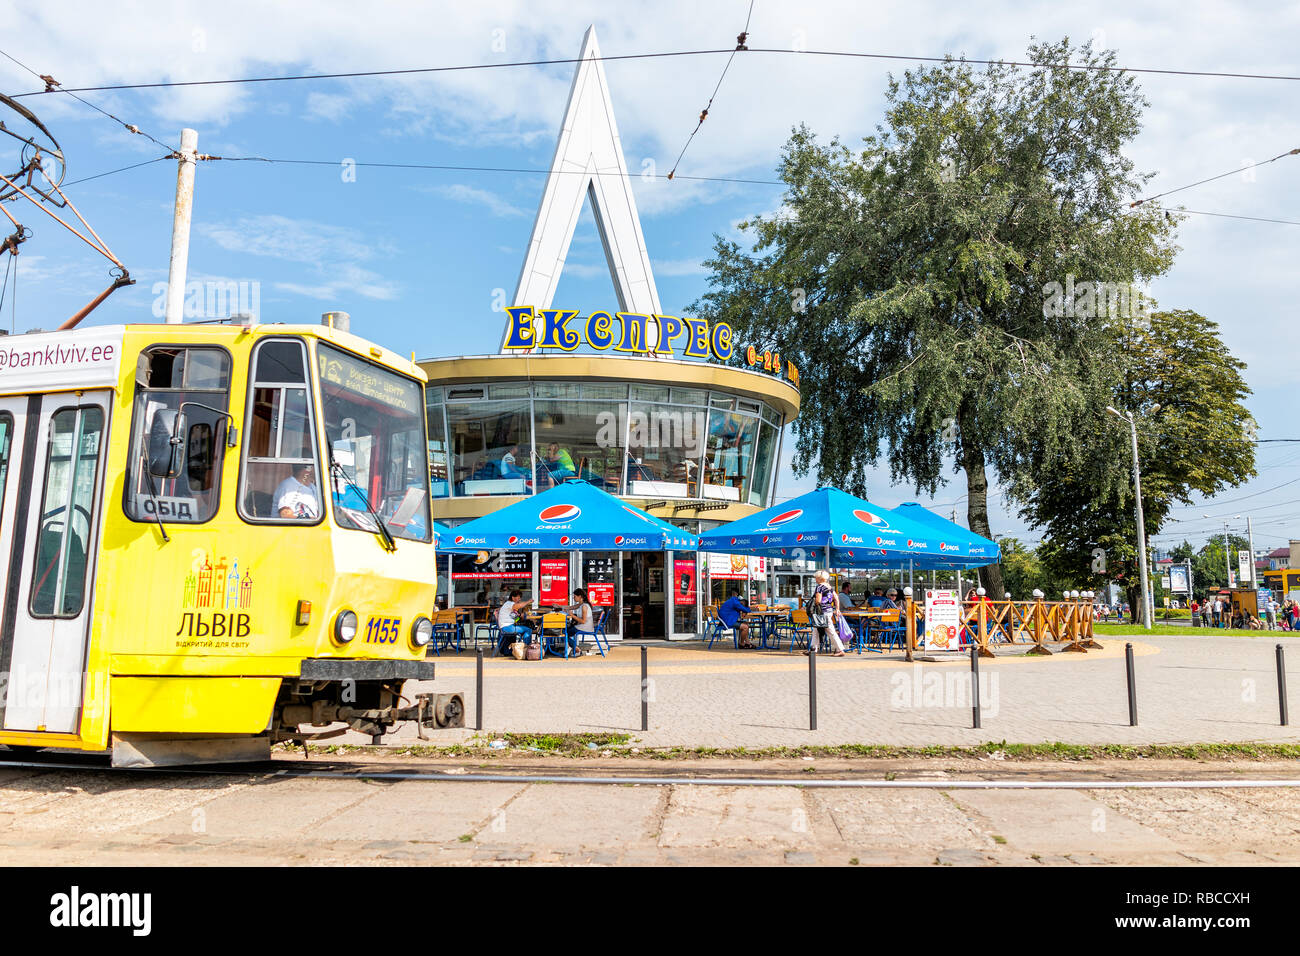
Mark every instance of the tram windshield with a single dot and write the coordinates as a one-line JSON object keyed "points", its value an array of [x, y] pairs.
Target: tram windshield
{"points": [[374, 429]]}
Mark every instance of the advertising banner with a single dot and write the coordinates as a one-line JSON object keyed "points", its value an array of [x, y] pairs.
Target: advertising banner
{"points": [[598, 579], [684, 580], [942, 621], [1243, 565], [553, 580], [1178, 583]]}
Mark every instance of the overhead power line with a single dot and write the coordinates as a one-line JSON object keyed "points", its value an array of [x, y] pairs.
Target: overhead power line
{"points": [[561, 61], [1210, 179], [704, 113], [52, 86]]}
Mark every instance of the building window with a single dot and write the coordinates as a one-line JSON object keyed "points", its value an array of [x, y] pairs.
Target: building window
{"points": [[729, 454], [580, 439], [436, 422], [491, 446], [189, 387], [280, 474], [663, 450]]}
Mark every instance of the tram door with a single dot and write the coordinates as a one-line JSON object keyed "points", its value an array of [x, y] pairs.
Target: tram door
{"points": [[50, 531]]}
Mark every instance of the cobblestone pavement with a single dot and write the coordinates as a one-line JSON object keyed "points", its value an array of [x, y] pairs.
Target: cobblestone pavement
{"points": [[133, 818], [1190, 689]]}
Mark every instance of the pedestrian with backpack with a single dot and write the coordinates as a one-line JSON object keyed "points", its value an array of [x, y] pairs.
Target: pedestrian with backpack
{"points": [[823, 612]]}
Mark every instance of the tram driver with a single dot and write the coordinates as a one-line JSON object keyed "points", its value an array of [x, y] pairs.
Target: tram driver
{"points": [[297, 497]]}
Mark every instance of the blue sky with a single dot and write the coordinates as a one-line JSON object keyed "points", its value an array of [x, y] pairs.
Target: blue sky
{"points": [[416, 256]]}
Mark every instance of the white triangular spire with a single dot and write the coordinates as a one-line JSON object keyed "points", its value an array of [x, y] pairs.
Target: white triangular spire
{"points": [[588, 163]]}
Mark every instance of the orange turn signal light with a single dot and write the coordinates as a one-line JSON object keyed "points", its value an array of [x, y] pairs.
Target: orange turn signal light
{"points": [[303, 616]]}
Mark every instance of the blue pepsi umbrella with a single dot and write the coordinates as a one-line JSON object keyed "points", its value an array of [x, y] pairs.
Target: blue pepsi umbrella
{"points": [[573, 516], [960, 547], [829, 523]]}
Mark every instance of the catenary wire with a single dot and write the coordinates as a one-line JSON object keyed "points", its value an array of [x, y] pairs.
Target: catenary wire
{"points": [[560, 61]]}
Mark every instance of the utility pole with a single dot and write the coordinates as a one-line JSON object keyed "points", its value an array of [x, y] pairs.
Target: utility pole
{"points": [[1250, 539], [1141, 523], [187, 159]]}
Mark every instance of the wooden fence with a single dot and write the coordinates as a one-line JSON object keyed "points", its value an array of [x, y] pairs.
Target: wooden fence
{"points": [[1017, 622]]}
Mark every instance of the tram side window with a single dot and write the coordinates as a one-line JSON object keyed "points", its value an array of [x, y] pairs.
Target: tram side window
{"points": [[193, 383], [63, 539], [6, 437], [279, 475]]}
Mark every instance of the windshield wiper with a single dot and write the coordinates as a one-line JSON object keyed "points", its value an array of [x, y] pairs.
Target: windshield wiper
{"points": [[380, 528]]}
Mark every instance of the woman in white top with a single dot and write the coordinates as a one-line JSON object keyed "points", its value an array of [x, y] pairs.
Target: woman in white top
{"points": [[510, 629], [582, 620]]}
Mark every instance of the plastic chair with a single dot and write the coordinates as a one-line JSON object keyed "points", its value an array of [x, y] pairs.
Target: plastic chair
{"points": [[599, 635], [718, 629], [446, 630], [555, 625], [493, 633], [891, 631], [796, 628]]}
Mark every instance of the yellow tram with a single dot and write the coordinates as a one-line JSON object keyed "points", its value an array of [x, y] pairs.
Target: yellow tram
{"points": [[212, 538]]}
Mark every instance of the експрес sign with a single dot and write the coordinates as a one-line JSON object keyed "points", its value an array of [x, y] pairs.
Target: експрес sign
{"points": [[531, 328]]}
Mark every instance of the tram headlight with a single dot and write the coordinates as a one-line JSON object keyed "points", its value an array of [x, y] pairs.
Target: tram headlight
{"points": [[345, 627], [421, 631]]}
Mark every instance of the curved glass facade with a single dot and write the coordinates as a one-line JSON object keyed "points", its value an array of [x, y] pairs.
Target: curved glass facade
{"points": [[646, 441]]}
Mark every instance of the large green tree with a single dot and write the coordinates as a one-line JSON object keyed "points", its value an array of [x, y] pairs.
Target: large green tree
{"points": [[908, 279], [1201, 440]]}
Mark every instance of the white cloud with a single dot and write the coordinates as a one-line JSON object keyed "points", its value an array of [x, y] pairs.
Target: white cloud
{"points": [[329, 252], [472, 195], [678, 267]]}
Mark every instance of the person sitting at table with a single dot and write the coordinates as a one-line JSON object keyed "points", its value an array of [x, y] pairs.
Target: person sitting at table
{"points": [[559, 461], [846, 596], [891, 600], [877, 599], [582, 623], [508, 622], [729, 613], [508, 466]]}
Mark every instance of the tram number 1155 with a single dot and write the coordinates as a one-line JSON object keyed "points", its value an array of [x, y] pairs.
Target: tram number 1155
{"points": [[383, 630]]}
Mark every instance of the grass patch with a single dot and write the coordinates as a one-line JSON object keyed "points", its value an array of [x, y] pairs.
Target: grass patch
{"points": [[617, 745], [1159, 629], [998, 838]]}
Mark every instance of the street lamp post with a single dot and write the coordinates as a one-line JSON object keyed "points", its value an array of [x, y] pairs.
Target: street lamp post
{"points": [[1141, 524]]}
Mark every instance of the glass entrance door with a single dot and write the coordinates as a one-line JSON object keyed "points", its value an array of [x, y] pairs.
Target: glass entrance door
{"points": [[644, 595]]}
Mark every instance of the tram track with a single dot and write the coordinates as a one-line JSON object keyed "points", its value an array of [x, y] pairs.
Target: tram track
{"points": [[837, 777]]}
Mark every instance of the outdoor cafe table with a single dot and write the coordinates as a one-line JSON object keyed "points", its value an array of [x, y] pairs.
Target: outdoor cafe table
{"points": [[767, 621], [863, 617]]}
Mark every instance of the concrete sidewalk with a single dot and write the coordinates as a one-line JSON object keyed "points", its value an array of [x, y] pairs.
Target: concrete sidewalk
{"points": [[1190, 689]]}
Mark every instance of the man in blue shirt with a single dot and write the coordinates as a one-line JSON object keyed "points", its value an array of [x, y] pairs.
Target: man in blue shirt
{"points": [[730, 613]]}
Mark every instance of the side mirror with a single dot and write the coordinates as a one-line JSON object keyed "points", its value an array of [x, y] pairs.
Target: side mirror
{"points": [[166, 443]]}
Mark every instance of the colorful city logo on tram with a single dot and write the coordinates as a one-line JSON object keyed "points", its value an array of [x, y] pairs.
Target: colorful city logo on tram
{"points": [[221, 587]]}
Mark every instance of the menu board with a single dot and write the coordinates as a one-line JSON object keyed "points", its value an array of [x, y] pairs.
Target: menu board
{"points": [[598, 579], [684, 581], [942, 621], [487, 565], [553, 580]]}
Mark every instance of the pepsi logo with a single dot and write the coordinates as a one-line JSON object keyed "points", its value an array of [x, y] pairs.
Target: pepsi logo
{"points": [[850, 554], [733, 540], [459, 538], [618, 539], [765, 539], [844, 537], [868, 517], [559, 514], [513, 539], [799, 537], [784, 517], [880, 541], [564, 539]]}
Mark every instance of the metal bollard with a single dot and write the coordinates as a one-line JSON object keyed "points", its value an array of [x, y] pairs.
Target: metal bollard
{"points": [[645, 688], [813, 640], [1281, 685], [1132, 686], [478, 688], [975, 685]]}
